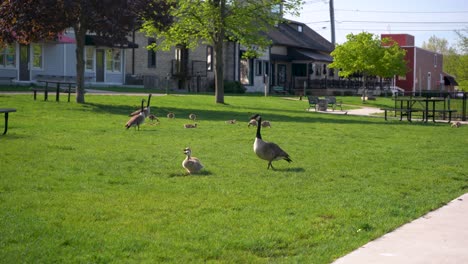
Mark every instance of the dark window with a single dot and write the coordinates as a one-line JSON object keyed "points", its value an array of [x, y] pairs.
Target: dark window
{"points": [[299, 69], [209, 58], [258, 67], [151, 54]]}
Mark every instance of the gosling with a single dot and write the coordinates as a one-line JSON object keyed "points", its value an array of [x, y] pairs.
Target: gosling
{"points": [[191, 164], [252, 122], [233, 121], [455, 124], [193, 117], [171, 115], [266, 124], [190, 125], [153, 118]]}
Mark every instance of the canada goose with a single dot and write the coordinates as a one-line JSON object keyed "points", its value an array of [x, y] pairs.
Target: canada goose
{"points": [[153, 118], [266, 124], [193, 117], [171, 115], [191, 164], [252, 122], [190, 125], [233, 121], [146, 109], [267, 150], [138, 119]]}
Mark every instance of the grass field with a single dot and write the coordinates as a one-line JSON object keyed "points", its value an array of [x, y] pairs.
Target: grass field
{"points": [[77, 187]]}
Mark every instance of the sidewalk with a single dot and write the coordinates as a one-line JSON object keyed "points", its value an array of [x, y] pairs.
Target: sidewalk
{"points": [[439, 237]]}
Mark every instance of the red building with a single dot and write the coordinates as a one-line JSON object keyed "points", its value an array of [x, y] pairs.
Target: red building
{"points": [[424, 66]]}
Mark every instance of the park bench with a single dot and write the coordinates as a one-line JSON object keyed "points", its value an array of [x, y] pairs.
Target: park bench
{"points": [[313, 102], [331, 101], [6, 111], [9, 79], [279, 89]]}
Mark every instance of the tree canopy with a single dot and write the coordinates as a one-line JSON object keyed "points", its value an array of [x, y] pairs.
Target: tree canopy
{"points": [[215, 22], [368, 55], [30, 21]]}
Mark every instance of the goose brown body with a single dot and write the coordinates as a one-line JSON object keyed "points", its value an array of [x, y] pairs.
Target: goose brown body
{"points": [[191, 164], [268, 150], [137, 120]]}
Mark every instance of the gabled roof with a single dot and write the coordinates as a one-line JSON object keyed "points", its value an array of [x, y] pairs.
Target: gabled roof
{"points": [[287, 34]]}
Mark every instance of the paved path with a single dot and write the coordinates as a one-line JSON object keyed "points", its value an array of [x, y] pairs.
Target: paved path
{"points": [[440, 237]]}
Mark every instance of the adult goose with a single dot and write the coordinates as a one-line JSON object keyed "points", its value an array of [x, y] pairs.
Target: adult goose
{"points": [[147, 109], [191, 164], [267, 150], [138, 119]]}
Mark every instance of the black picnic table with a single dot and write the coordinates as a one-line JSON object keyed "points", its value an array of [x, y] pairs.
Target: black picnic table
{"points": [[58, 83], [6, 111]]}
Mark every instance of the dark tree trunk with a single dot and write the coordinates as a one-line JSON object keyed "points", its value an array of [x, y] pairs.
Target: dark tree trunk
{"points": [[218, 50], [80, 35]]}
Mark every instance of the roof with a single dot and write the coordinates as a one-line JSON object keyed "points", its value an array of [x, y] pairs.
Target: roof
{"points": [[287, 34]]}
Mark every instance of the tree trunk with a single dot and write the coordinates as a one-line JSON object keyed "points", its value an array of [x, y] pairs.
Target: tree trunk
{"points": [[218, 50], [80, 36], [219, 72]]}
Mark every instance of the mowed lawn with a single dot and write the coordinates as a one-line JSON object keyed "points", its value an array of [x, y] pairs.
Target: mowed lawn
{"points": [[77, 187]]}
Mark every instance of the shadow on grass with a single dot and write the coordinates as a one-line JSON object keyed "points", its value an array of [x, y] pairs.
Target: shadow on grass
{"points": [[202, 173], [242, 115]]}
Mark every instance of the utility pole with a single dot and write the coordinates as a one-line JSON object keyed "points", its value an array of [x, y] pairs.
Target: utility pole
{"points": [[332, 21]]}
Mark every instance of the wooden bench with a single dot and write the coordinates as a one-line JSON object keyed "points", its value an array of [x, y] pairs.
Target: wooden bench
{"points": [[279, 90], [403, 112], [6, 111]]}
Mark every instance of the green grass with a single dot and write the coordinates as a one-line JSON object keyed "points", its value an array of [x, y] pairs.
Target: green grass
{"points": [[77, 187]]}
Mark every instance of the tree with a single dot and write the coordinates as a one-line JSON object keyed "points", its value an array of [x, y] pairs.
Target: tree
{"points": [[30, 21], [215, 22], [439, 45], [367, 55]]}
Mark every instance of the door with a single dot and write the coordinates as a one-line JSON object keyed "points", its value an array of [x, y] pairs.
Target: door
{"points": [[24, 73], [282, 77], [100, 63], [429, 79]]}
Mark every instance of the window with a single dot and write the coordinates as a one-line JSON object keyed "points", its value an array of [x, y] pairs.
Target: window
{"points": [[37, 54], [258, 67], [89, 59], [435, 60], [299, 28], [8, 57], [265, 67], [113, 60], [151, 54], [209, 58], [299, 69]]}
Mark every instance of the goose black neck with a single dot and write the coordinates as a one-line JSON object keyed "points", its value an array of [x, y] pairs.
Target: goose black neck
{"points": [[259, 125], [149, 99], [142, 104]]}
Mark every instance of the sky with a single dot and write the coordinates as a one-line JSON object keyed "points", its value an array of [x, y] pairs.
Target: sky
{"points": [[420, 18]]}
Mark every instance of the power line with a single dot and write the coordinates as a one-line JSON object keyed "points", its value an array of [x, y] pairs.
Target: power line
{"points": [[403, 22], [402, 12]]}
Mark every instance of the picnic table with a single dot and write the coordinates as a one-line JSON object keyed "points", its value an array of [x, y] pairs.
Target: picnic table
{"points": [[409, 105], [58, 84], [6, 111]]}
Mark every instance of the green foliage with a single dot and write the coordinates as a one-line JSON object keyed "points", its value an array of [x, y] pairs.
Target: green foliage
{"points": [[364, 53], [77, 187], [234, 87]]}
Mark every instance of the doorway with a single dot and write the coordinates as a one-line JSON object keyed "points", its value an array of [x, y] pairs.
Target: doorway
{"points": [[24, 72], [100, 63]]}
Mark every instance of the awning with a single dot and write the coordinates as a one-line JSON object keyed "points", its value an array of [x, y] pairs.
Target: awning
{"points": [[449, 80], [61, 38], [308, 55], [93, 40]]}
